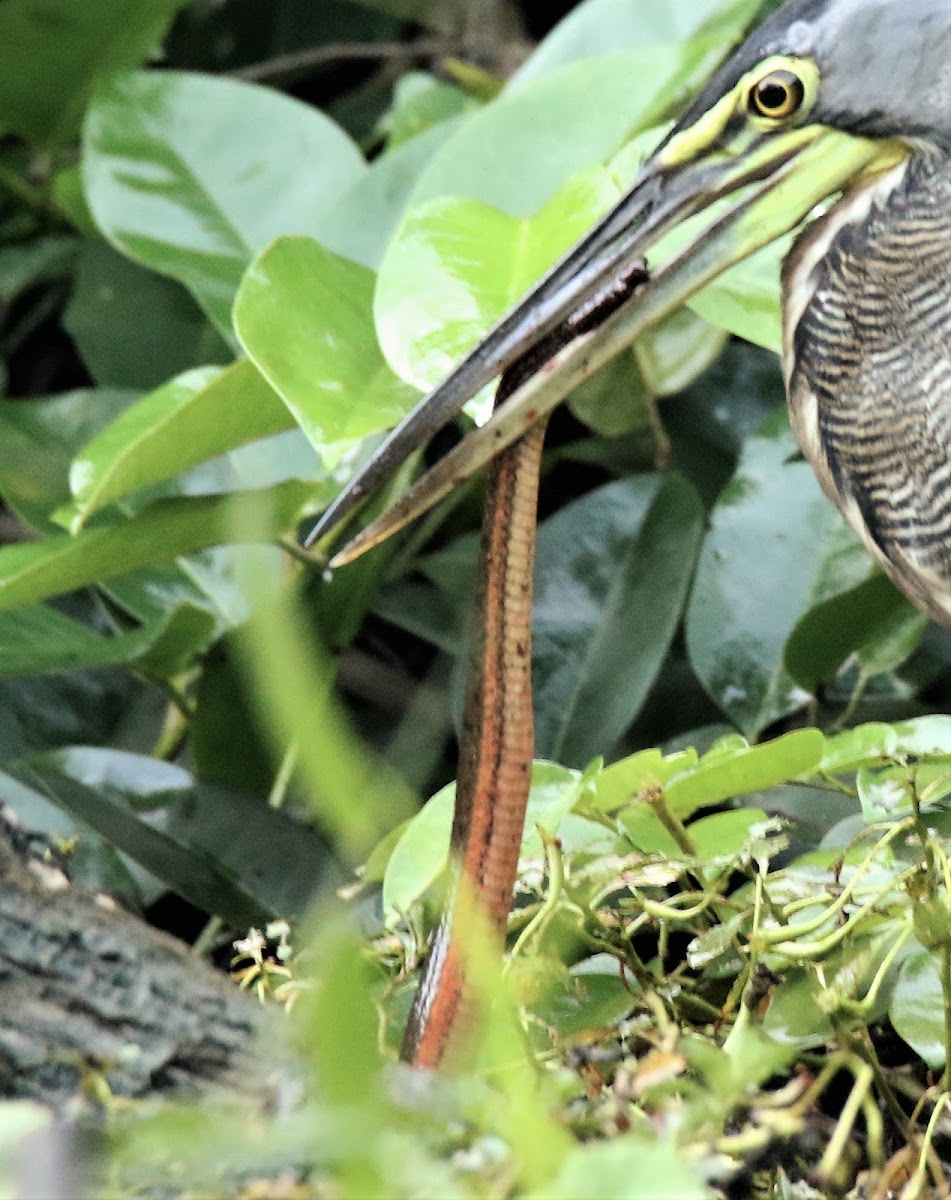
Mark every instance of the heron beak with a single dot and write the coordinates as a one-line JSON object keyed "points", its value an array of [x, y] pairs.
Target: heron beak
{"points": [[773, 185]]}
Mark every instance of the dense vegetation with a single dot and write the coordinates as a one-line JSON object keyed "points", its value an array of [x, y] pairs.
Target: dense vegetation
{"points": [[222, 275]]}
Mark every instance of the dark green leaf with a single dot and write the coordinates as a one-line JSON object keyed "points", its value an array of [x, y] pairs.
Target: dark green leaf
{"points": [[776, 547], [134, 328], [616, 561], [75, 43], [184, 832]]}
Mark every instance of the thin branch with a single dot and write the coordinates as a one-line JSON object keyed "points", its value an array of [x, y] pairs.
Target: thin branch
{"points": [[318, 56]]}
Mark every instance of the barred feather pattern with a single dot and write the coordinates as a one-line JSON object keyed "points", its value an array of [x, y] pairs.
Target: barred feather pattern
{"points": [[870, 375]]}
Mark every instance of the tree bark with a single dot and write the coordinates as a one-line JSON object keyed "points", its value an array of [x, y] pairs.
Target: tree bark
{"points": [[87, 989]]}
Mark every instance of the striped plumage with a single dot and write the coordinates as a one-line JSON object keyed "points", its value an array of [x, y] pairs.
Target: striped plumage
{"points": [[868, 309]]}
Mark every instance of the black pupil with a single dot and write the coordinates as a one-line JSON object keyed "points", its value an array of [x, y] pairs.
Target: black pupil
{"points": [[779, 95], [773, 96]]}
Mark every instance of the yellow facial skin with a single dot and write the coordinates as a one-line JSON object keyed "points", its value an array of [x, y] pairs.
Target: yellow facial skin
{"points": [[741, 120]]}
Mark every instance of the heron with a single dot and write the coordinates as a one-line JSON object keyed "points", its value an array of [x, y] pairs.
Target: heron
{"points": [[833, 121]]}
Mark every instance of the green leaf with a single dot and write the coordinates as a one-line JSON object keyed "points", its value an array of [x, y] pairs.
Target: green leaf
{"points": [[455, 266], [918, 1007], [747, 299], [619, 558], [625, 1168], [600, 27], [176, 183], [361, 223], [134, 328], [872, 620], [722, 776], [191, 419], [40, 641], [422, 851], [724, 835], [620, 783], [305, 317], [75, 43], [518, 151], [37, 570], [184, 832], [776, 547], [39, 260], [38, 439]]}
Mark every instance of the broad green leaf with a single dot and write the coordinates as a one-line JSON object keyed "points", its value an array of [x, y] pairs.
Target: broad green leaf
{"points": [[423, 849], [421, 102], [517, 151], [51, 52], [190, 419], [747, 300], [37, 570], [183, 832], [872, 620], [360, 224], [39, 641], [776, 547], [600, 27], [627, 1167], [616, 560], [455, 266], [719, 777], [305, 317], [621, 783], [176, 182], [674, 353], [38, 439], [134, 328], [724, 835], [567, 1005], [917, 1010]]}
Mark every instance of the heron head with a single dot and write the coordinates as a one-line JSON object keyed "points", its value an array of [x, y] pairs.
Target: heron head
{"points": [[822, 99]]}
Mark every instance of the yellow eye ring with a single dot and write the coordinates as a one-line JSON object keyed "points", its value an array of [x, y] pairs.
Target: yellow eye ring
{"points": [[777, 96]]}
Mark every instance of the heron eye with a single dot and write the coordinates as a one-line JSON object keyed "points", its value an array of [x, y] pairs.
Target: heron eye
{"points": [[778, 95]]}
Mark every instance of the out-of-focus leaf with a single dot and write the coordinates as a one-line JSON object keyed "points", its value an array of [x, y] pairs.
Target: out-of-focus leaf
{"points": [[456, 266], [423, 849], [872, 620], [421, 102], [625, 1168], [190, 419], [83, 706], [38, 439], [305, 317], [40, 641], [36, 261], [776, 547], [618, 559], [918, 1006], [37, 570], [516, 152], [133, 328], [360, 224], [600, 27], [175, 182], [184, 832], [74, 43]]}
